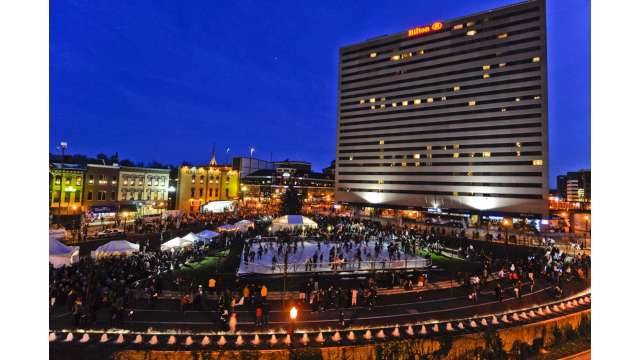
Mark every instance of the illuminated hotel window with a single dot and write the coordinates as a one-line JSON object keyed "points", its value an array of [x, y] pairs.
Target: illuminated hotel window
{"points": [[444, 147], [456, 88], [382, 106], [395, 58], [458, 26], [486, 67], [456, 146], [405, 103], [517, 99], [456, 155], [406, 55], [381, 142], [381, 156], [373, 54], [416, 156], [503, 36], [404, 163], [428, 147], [486, 154], [536, 59], [455, 193], [372, 100], [536, 97], [502, 65], [472, 154], [485, 76], [537, 162], [417, 163], [361, 101], [472, 103], [443, 98], [394, 104], [503, 110], [469, 173], [470, 23], [383, 99], [421, 52], [373, 107], [430, 156], [518, 153], [429, 100], [518, 144], [471, 32], [417, 102], [381, 181]]}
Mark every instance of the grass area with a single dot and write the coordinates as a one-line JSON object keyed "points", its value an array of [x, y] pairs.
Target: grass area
{"points": [[449, 263], [199, 272]]}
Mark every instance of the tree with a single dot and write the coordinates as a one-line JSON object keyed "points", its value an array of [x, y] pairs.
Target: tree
{"points": [[291, 204]]}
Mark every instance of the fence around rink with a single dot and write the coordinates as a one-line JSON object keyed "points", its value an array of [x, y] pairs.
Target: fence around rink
{"points": [[351, 266]]}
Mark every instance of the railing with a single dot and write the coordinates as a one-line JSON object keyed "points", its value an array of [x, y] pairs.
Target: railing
{"points": [[351, 266]]}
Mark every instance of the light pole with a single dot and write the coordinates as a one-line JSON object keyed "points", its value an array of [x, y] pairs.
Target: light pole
{"points": [[63, 146]]}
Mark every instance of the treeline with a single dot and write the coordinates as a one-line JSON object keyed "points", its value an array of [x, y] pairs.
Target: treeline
{"points": [[103, 159]]}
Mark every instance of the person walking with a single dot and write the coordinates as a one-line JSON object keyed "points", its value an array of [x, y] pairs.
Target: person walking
{"points": [[233, 322], [354, 297], [498, 291], [212, 285]]}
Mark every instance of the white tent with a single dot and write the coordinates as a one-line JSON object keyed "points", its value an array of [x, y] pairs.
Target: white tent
{"points": [[207, 235], [61, 254], [291, 222], [115, 247], [244, 225], [191, 237], [176, 242]]}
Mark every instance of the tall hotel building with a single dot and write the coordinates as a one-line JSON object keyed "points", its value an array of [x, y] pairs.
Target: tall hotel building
{"points": [[449, 115]]}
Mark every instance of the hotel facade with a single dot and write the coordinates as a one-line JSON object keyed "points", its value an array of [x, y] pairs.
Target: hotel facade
{"points": [[448, 115]]}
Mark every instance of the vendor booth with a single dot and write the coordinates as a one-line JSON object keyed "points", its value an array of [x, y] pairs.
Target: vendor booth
{"points": [[244, 225], [61, 254], [292, 222], [191, 237], [115, 247], [176, 243]]}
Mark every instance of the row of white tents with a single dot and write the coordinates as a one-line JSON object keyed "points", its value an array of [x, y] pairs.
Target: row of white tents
{"points": [[61, 255]]}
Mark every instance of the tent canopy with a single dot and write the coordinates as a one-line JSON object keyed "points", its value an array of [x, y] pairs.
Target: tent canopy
{"points": [[244, 225], [290, 222], [58, 248], [228, 227], [61, 254], [116, 247], [56, 234], [207, 234], [176, 242], [191, 237]]}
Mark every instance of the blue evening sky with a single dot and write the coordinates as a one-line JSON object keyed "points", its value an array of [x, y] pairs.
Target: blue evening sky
{"points": [[165, 80]]}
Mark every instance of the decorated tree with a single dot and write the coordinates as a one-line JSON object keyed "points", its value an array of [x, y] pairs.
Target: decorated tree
{"points": [[291, 204]]}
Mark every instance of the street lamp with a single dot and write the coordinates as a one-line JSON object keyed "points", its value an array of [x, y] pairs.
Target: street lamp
{"points": [[293, 313], [63, 146], [506, 223]]}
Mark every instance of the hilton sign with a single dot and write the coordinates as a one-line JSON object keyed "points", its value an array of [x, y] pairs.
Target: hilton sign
{"points": [[421, 30]]}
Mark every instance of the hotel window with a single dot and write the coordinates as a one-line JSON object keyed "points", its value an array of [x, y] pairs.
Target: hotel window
{"points": [[58, 180], [114, 180], [382, 106], [361, 101], [456, 155], [486, 76], [77, 197], [458, 26], [537, 162], [517, 99], [193, 192], [469, 173], [381, 142], [405, 103], [455, 193], [406, 55], [416, 156], [444, 147], [102, 195], [201, 179], [193, 179], [404, 163], [113, 195], [394, 104], [373, 107], [456, 88], [417, 163], [350, 157], [518, 144], [536, 59], [472, 103], [216, 193], [373, 54], [421, 52], [486, 67], [503, 110], [90, 195], [380, 181], [486, 154], [67, 180], [503, 36], [428, 147], [372, 100], [471, 32], [395, 58], [201, 192], [472, 154], [518, 153], [417, 102], [78, 180], [456, 146], [537, 97], [502, 65], [470, 23], [444, 98], [429, 100]]}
